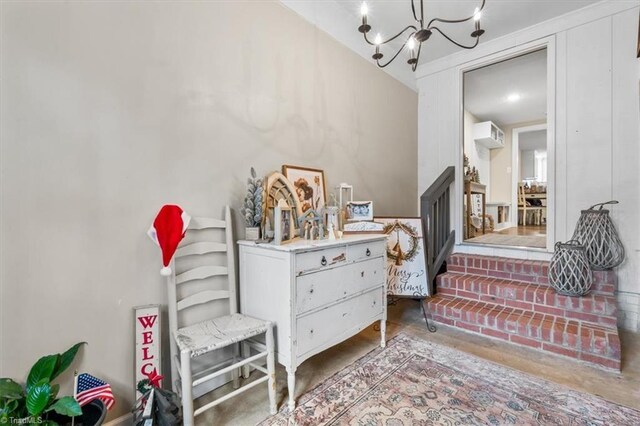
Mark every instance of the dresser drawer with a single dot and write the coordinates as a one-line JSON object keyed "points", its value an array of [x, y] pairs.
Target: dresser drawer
{"points": [[323, 287], [325, 326], [361, 251], [320, 259]]}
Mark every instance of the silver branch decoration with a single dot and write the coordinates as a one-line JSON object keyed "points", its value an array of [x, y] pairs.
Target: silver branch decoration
{"points": [[252, 209]]}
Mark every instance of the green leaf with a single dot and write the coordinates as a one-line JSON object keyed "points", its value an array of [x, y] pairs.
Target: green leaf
{"points": [[66, 359], [10, 389], [38, 397], [54, 392], [42, 369], [67, 406]]}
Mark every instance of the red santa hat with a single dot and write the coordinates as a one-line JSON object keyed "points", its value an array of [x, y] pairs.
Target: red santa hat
{"points": [[167, 231]]}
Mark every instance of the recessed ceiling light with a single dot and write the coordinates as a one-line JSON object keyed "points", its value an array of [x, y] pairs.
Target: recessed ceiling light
{"points": [[513, 97]]}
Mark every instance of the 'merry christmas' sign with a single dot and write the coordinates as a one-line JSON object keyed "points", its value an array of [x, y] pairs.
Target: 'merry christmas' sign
{"points": [[406, 270]]}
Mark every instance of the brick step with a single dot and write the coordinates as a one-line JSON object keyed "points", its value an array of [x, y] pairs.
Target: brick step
{"points": [[596, 308], [576, 339], [529, 271]]}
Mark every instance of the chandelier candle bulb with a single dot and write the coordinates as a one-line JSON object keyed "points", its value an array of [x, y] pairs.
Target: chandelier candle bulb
{"points": [[365, 27], [377, 41]]}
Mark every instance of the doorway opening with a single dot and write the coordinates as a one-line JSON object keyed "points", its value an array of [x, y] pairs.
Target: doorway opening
{"points": [[505, 145]]}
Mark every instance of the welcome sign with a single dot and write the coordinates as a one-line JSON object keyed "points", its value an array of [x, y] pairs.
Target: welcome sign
{"points": [[406, 270], [147, 331]]}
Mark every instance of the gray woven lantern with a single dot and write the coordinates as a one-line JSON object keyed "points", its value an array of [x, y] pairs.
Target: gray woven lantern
{"points": [[596, 231], [569, 271]]}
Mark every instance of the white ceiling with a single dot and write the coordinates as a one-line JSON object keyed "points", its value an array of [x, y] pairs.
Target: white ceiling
{"points": [[486, 90], [341, 18], [531, 141]]}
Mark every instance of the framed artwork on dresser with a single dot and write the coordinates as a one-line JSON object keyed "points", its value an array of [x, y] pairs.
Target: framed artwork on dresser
{"points": [[310, 186]]}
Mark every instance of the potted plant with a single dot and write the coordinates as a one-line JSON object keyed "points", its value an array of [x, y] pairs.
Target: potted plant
{"points": [[252, 209], [37, 401]]}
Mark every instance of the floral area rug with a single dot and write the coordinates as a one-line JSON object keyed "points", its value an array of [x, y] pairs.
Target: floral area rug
{"points": [[415, 382]]}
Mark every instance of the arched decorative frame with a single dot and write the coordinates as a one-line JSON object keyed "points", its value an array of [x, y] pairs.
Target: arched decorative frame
{"points": [[278, 187]]}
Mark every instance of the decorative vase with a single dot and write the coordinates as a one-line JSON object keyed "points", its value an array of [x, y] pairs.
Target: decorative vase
{"points": [[596, 231], [252, 233], [569, 270]]}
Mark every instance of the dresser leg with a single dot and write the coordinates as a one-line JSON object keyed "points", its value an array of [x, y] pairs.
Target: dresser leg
{"points": [[291, 385], [383, 333]]}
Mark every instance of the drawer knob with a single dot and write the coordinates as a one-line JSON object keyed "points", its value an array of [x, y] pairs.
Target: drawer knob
{"points": [[311, 291], [311, 331], [323, 262], [368, 253]]}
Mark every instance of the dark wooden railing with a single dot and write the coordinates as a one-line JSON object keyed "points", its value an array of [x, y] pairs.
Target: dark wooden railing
{"points": [[435, 211]]}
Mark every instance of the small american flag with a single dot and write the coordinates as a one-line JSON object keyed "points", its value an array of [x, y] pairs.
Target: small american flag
{"points": [[90, 388]]}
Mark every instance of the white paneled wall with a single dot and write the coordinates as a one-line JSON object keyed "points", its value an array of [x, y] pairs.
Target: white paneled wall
{"points": [[597, 124]]}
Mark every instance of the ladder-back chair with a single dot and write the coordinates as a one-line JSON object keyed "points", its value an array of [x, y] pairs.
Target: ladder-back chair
{"points": [[190, 341]]}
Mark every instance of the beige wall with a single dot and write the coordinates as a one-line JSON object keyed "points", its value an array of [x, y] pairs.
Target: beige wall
{"points": [[501, 167], [111, 109]]}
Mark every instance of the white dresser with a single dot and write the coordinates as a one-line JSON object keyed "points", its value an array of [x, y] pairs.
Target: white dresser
{"points": [[318, 293]]}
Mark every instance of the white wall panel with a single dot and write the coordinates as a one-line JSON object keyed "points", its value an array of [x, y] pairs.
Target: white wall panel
{"points": [[626, 143], [588, 110]]}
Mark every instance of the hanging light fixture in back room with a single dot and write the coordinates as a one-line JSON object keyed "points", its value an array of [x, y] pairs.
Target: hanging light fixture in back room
{"points": [[418, 35]]}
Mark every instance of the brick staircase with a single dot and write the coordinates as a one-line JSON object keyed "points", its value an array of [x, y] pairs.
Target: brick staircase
{"points": [[510, 299]]}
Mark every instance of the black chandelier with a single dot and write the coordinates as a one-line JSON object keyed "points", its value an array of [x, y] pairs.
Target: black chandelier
{"points": [[418, 35]]}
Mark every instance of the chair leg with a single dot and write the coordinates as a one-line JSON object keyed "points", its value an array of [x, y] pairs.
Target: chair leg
{"points": [[187, 388], [246, 353], [271, 369], [235, 373]]}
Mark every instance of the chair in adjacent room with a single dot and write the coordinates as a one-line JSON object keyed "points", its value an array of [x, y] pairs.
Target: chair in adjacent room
{"points": [[525, 208], [191, 341]]}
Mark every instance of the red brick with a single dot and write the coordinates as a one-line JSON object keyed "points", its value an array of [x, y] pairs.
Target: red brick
{"points": [[518, 304], [600, 342], [605, 362], [586, 335], [560, 350], [476, 271], [446, 291], [550, 298], [526, 341], [611, 322], [543, 280], [524, 278], [548, 310], [582, 316], [467, 295], [466, 326], [614, 345], [495, 333], [501, 274]]}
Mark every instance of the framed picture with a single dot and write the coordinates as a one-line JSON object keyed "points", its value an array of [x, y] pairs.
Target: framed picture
{"points": [[406, 268], [358, 211], [310, 186], [284, 227]]}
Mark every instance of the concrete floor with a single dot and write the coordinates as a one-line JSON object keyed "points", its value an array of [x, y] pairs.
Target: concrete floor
{"points": [[252, 406]]}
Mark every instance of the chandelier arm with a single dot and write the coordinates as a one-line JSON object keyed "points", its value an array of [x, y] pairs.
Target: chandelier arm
{"points": [[455, 21], [455, 42], [390, 60], [413, 9], [392, 38], [396, 55]]}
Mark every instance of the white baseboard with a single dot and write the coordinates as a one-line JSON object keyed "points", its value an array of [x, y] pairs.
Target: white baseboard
{"points": [[127, 419]]}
